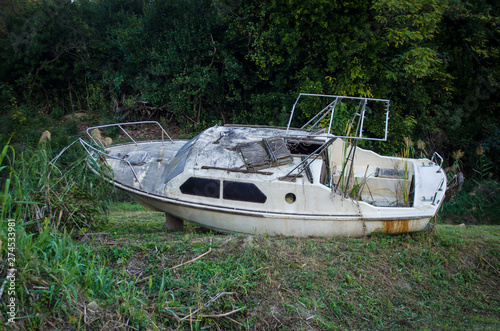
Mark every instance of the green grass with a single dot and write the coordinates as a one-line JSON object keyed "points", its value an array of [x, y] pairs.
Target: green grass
{"points": [[132, 219], [444, 280]]}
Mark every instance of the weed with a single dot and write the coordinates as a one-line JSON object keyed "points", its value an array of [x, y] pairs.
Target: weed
{"points": [[477, 203], [403, 186], [484, 166], [37, 189]]}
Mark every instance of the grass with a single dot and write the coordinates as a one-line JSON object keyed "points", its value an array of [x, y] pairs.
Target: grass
{"points": [[136, 275]]}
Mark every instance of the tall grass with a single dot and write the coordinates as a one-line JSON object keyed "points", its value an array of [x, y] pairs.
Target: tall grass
{"points": [[73, 198], [11, 187], [477, 202], [403, 187], [51, 271]]}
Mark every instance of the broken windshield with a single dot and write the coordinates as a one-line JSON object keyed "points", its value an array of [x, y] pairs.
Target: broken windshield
{"points": [[176, 166]]}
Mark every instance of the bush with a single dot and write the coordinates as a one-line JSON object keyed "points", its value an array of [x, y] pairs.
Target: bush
{"points": [[37, 200], [477, 203], [35, 189]]}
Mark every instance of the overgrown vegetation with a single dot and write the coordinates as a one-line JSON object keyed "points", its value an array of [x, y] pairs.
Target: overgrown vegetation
{"points": [[476, 204], [38, 203], [137, 275], [35, 190]]}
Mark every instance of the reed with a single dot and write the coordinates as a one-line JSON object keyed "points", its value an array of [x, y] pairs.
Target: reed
{"points": [[403, 186], [71, 199], [49, 268]]}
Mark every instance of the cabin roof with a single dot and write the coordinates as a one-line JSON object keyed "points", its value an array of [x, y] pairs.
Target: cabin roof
{"points": [[239, 149]]}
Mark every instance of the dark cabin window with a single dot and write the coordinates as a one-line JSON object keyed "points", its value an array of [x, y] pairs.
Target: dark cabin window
{"points": [[202, 187], [302, 148], [242, 192]]}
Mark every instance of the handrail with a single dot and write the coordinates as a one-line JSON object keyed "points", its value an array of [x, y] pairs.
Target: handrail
{"points": [[86, 144], [433, 159], [439, 188], [163, 133]]}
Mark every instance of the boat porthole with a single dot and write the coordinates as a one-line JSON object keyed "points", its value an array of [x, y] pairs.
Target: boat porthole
{"points": [[290, 198]]}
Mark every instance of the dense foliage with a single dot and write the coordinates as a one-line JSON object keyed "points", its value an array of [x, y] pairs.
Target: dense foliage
{"points": [[201, 62], [34, 190]]}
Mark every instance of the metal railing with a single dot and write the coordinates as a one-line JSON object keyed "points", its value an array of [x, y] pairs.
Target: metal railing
{"points": [[439, 188], [120, 125], [434, 158], [92, 151], [88, 148], [330, 109]]}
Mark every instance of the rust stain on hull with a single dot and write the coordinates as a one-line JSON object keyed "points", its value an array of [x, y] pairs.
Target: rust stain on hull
{"points": [[397, 227]]}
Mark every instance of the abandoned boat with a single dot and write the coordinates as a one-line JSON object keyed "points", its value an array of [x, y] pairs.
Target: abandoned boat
{"points": [[305, 182]]}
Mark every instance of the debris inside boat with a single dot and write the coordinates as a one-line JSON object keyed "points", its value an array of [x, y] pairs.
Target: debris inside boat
{"points": [[307, 182]]}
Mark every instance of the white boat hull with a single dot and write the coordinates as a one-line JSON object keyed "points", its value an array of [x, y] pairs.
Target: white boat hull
{"points": [[275, 224]]}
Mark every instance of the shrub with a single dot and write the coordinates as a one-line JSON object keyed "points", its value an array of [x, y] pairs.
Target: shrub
{"points": [[72, 199], [477, 203]]}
